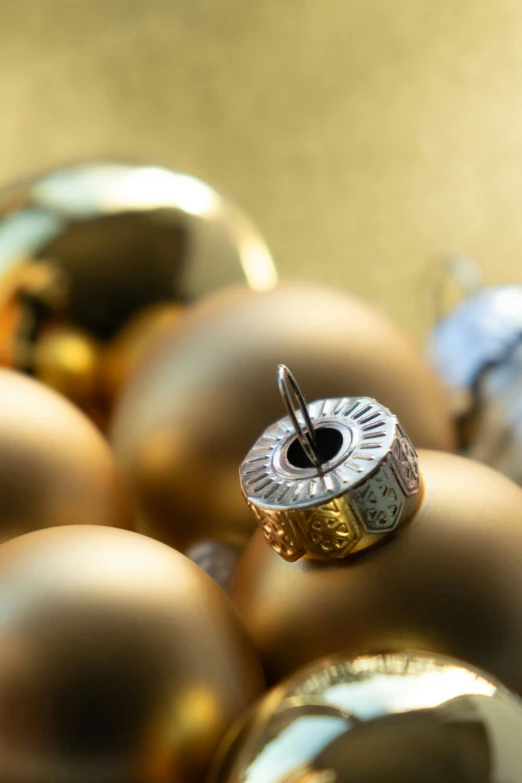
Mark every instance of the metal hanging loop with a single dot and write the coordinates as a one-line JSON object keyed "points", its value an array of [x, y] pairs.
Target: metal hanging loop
{"points": [[289, 389]]}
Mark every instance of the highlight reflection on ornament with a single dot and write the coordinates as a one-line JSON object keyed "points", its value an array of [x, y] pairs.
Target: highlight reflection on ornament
{"points": [[87, 248], [406, 717]]}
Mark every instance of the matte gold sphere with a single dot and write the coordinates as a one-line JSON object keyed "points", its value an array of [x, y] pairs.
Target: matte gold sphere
{"points": [[56, 469], [450, 582], [405, 718], [122, 662], [192, 412]]}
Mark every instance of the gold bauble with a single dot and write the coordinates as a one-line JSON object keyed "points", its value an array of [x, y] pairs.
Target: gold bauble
{"points": [[448, 581], [403, 718], [88, 247], [191, 413], [68, 360], [122, 661], [56, 468]]}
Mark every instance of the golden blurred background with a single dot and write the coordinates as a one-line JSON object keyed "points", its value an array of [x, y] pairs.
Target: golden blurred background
{"points": [[364, 138]]}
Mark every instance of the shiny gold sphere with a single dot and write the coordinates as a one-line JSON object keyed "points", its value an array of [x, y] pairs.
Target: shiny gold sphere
{"points": [[56, 468], [403, 718], [190, 415], [90, 248], [450, 582], [122, 662], [68, 360]]}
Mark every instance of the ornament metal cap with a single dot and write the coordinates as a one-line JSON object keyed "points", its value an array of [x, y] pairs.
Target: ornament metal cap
{"points": [[331, 478]]}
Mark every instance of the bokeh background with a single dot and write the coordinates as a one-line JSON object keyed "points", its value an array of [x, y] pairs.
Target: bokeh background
{"points": [[366, 139]]}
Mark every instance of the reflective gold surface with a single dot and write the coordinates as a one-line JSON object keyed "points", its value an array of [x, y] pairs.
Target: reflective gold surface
{"points": [[68, 360], [404, 718], [190, 415], [56, 467], [122, 662], [88, 249], [449, 583]]}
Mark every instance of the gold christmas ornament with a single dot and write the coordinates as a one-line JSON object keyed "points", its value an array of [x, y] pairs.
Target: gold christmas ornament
{"points": [[87, 248], [68, 361], [122, 661], [404, 718], [394, 550], [56, 467], [189, 415]]}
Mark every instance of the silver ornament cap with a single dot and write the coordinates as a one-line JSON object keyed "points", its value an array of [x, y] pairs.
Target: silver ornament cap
{"points": [[332, 478]]}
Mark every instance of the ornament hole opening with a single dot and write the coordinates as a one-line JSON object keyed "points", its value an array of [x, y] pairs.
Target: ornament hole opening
{"points": [[329, 443]]}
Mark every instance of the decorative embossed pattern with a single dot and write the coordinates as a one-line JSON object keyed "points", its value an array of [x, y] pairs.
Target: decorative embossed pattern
{"points": [[330, 530], [379, 502], [361, 493], [280, 533], [404, 461], [270, 481]]}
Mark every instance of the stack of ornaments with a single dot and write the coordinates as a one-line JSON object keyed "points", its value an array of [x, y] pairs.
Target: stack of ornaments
{"points": [[174, 541]]}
